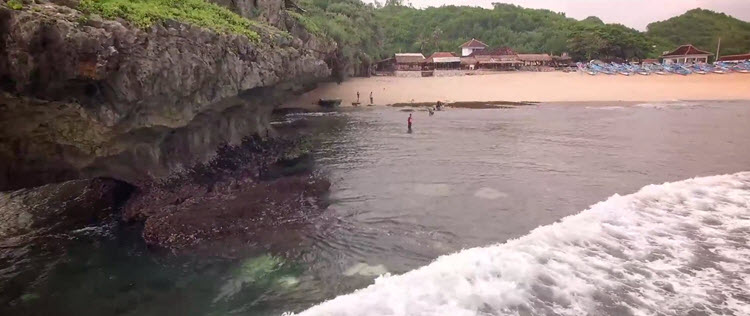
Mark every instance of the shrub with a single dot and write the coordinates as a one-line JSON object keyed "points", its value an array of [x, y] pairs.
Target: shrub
{"points": [[144, 13]]}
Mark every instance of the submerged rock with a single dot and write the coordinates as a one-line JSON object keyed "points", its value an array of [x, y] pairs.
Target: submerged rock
{"points": [[37, 225], [59, 207], [247, 188]]}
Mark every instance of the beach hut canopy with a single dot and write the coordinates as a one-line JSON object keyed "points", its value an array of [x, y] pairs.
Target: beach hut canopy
{"points": [[534, 57], [409, 58]]}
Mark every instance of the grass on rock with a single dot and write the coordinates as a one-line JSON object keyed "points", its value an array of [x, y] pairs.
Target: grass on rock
{"points": [[15, 4], [145, 13]]}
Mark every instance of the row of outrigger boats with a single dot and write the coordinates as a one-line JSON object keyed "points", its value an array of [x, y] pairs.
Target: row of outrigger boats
{"points": [[596, 67]]}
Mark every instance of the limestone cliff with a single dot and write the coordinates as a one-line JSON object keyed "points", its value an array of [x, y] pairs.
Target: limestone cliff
{"points": [[83, 96]]}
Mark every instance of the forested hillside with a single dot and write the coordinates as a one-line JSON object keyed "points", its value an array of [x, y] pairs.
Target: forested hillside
{"points": [[524, 30], [367, 32], [702, 28]]}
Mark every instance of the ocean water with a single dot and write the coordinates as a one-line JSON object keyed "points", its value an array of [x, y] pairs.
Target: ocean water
{"points": [[678, 248], [556, 209]]}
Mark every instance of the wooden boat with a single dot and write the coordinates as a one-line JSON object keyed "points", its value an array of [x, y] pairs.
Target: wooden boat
{"points": [[329, 103]]}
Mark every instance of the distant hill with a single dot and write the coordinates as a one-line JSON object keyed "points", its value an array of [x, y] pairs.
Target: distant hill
{"points": [[593, 19], [702, 28], [367, 32], [408, 29]]}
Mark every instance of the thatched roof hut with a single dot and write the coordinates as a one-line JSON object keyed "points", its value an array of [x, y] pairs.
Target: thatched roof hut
{"points": [[409, 58]]}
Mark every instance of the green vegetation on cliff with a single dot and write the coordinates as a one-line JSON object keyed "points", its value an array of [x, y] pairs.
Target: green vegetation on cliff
{"points": [[15, 4], [702, 28], [144, 13], [354, 27]]}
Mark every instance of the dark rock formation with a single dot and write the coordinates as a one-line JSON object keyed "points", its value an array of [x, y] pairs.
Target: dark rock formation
{"points": [[247, 188], [55, 208], [83, 97], [86, 97]]}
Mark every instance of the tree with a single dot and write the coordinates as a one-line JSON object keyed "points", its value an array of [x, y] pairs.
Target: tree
{"points": [[422, 41], [436, 34], [702, 28]]}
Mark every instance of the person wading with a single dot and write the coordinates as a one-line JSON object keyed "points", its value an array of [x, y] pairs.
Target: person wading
{"points": [[408, 122]]}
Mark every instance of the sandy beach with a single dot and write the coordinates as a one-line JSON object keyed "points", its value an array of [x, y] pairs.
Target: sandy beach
{"points": [[535, 86]]}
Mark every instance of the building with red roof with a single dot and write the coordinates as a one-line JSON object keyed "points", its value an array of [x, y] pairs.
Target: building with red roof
{"points": [[735, 58], [472, 46], [686, 54]]}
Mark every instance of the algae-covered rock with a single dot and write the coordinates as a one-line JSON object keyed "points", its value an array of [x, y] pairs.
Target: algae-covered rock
{"points": [[261, 272]]}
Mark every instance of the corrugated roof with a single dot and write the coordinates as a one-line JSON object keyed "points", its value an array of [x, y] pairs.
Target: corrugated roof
{"points": [[409, 58], [442, 54], [684, 50], [443, 57], [473, 43], [499, 51], [505, 59], [535, 57], [735, 57], [440, 60]]}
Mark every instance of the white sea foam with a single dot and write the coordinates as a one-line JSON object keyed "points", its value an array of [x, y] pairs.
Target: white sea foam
{"points": [[669, 104], [366, 270], [673, 249], [490, 194]]}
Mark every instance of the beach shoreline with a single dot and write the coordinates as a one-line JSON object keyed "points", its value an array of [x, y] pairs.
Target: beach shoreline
{"points": [[544, 87]]}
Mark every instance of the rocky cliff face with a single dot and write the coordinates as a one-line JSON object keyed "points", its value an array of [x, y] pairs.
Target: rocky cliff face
{"points": [[86, 97], [269, 11]]}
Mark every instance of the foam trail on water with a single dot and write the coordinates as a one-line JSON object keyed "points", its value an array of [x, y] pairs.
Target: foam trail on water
{"points": [[672, 249]]}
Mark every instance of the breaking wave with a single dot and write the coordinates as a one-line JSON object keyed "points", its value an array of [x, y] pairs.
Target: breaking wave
{"points": [[672, 249]]}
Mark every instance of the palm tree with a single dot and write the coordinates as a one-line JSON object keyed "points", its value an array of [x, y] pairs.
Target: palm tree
{"points": [[436, 34], [422, 41]]}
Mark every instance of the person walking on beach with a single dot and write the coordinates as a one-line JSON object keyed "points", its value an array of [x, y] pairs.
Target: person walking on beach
{"points": [[408, 122], [371, 101]]}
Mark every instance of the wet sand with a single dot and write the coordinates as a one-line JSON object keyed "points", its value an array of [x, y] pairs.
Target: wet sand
{"points": [[536, 87]]}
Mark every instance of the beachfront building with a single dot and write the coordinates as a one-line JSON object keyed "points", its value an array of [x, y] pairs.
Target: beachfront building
{"points": [[409, 61], [502, 58], [443, 60], [686, 54], [563, 60], [472, 46], [735, 58], [535, 59]]}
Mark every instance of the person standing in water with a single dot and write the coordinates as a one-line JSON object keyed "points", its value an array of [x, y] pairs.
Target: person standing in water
{"points": [[408, 122], [357, 96], [371, 101]]}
